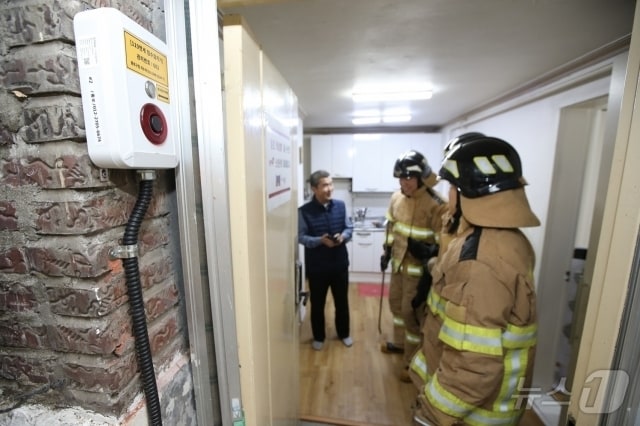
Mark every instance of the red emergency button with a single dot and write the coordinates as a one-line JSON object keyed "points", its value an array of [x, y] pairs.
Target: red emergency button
{"points": [[153, 123]]}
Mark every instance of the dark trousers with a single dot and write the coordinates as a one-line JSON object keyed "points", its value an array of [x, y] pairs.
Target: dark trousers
{"points": [[319, 285]]}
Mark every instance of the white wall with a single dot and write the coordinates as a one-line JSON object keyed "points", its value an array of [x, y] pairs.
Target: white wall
{"points": [[532, 128]]}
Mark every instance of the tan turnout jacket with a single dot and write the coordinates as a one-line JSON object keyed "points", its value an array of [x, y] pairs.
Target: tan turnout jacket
{"points": [[479, 334]]}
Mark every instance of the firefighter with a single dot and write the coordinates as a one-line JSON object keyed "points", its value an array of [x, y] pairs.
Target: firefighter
{"points": [[479, 333], [427, 253], [415, 211]]}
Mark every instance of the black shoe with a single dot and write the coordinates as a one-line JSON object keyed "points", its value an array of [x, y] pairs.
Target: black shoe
{"points": [[390, 348]]}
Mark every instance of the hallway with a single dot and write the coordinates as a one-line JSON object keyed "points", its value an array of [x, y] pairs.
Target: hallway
{"points": [[357, 386]]}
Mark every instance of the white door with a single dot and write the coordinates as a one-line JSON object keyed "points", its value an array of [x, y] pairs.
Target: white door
{"points": [[262, 145]]}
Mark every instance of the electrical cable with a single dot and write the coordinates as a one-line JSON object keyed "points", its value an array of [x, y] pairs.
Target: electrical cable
{"points": [[136, 302]]}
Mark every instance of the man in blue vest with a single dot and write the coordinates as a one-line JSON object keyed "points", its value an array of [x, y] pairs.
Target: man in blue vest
{"points": [[323, 229]]}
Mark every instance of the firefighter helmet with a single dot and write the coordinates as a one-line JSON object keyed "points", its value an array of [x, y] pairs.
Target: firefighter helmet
{"points": [[483, 166], [488, 175], [462, 139], [411, 163]]}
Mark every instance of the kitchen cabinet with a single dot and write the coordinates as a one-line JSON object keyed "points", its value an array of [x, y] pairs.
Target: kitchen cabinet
{"points": [[369, 161], [374, 159], [333, 153], [367, 249]]}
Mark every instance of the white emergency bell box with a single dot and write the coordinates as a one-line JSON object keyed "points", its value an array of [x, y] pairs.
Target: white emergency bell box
{"points": [[126, 94]]}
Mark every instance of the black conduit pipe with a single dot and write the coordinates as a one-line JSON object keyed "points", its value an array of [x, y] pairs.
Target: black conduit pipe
{"points": [[139, 322]]}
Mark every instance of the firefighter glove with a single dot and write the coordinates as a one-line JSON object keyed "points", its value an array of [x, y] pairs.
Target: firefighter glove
{"points": [[421, 250], [385, 258]]}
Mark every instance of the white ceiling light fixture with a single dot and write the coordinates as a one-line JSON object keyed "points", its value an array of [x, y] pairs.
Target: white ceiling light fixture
{"points": [[392, 95]]}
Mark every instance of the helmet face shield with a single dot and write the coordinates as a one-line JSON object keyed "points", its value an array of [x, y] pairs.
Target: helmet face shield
{"points": [[483, 166]]}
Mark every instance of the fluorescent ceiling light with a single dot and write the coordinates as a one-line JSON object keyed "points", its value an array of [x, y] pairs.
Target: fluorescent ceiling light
{"points": [[396, 118], [366, 113], [358, 121], [387, 96]]}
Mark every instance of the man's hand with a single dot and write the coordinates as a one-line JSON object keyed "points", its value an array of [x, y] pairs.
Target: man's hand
{"points": [[332, 240]]}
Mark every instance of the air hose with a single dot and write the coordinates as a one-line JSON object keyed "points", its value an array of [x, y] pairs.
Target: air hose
{"points": [[136, 302]]}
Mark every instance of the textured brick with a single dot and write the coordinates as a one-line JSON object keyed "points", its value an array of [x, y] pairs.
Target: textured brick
{"points": [[25, 370], [8, 216], [16, 297], [149, 238], [36, 23], [41, 69], [103, 402], [90, 337], [156, 269], [106, 211], [20, 334], [93, 300], [163, 331], [159, 302], [81, 261], [12, 261], [10, 117], [101, 375], [56, 172], [67, 322], [53, 119]]}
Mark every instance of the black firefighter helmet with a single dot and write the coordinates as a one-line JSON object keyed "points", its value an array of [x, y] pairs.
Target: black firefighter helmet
{"points": [[411, 163], [488, 175]]}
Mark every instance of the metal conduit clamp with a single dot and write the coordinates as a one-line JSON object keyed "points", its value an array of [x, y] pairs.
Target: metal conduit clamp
{"points": [[124, 252]]}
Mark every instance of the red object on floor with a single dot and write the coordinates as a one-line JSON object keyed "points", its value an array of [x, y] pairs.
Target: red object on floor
{"points": [[372, 289]]}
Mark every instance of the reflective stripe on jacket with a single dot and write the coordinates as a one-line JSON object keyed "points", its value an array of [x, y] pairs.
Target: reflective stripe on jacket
{"points": [[418, 217], [477, 356]]}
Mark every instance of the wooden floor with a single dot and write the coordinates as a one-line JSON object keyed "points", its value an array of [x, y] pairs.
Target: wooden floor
{"points": [[357, 386]]}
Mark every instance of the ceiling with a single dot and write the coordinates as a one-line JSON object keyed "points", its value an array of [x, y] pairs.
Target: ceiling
{"points": [[471, 52]]}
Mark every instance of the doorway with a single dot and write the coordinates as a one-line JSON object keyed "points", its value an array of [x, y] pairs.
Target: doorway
{"points": [[562, 285]]}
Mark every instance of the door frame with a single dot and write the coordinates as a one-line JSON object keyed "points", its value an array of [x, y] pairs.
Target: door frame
{"points": [[616, 246], [203, 155]]}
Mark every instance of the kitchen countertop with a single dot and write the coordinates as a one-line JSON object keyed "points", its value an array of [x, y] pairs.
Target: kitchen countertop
{"points": [[367, 229], [374, 224]]}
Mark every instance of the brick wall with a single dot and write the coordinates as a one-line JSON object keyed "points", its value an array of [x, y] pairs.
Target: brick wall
{"points": [[65, 332]]}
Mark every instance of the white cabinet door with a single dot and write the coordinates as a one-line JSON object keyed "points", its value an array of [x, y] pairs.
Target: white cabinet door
{"points": [[333, 153], [391, 147], [366, 166], [363, 249], [321, 153], [370, 162], [378, 243], [342, 155], [367, 249]]}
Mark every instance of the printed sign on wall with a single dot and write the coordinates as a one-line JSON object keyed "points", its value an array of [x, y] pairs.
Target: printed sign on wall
{"points": [[279, 168]]}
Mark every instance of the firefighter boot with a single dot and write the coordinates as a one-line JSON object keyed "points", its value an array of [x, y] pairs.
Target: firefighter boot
{"points": [[390, 348]]}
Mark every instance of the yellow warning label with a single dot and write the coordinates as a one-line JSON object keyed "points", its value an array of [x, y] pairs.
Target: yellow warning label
{"points": [[163, 93], [145, 60]]}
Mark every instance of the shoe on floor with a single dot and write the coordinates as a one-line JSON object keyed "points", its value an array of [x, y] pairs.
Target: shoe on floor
{"points": [[317, 345], [347, 341], [390, 348]]}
